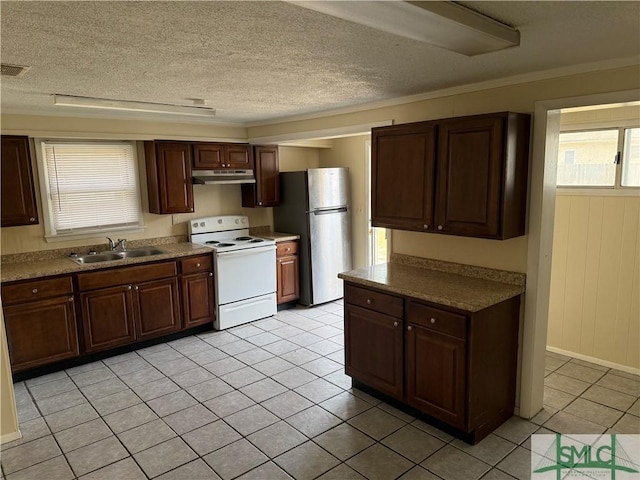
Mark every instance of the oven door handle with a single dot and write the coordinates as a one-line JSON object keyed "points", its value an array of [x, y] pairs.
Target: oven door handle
{"points": [[246, 251]]}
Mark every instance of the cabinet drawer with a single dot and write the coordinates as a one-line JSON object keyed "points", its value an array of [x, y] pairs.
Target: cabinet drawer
{"points": [[284, 249], [377, 301], [438, 320], [126, 275], [196, 264], [36, 290]]}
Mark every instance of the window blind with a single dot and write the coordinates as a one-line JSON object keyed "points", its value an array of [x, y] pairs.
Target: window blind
{"points": [[92, 186]]}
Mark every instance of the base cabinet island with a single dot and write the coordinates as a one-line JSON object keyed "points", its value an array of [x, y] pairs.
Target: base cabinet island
{"points": [[437, 339]]}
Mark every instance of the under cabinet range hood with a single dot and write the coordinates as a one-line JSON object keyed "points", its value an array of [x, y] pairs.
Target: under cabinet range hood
{"points": [[218, 177]]}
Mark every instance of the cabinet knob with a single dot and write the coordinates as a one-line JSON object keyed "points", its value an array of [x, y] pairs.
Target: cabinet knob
{"points": [[210, 274], [34, 291], [395, 324], [432, 320], [288, 249], [197, 265], [128, 287], [70, 299], [192, 209], [259, 203], [440, 227], [426, 226], [136, 287], [369, 301], [32, 219], [409, 328]]}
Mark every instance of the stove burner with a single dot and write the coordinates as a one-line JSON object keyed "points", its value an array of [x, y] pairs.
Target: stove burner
{"points": [[256, 240], [241, 239], [225, 244], [212, 242]]}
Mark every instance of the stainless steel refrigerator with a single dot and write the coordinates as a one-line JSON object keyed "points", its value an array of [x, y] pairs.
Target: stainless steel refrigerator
{"points": [[315, 205]]}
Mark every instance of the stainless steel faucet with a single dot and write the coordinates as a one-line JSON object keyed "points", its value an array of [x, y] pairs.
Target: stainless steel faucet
{"points": [[122, 243]]}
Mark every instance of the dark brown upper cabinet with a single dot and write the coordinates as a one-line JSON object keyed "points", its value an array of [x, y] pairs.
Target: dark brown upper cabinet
{"points": [[216, 156], [169, 177], [461, 176], [18, 190], [266, 191]]}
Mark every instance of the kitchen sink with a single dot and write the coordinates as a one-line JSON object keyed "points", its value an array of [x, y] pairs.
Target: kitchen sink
{"points": [[140, 252], [110, 256]]}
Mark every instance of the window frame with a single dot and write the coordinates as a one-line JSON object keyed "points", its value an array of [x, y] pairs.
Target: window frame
{"points": [[50, 233], [617, 189]]}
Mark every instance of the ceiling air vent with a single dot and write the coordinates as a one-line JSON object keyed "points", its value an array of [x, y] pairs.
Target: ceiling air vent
{"points": [[13, 70]]}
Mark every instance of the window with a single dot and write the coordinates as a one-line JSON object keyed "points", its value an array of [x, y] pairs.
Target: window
{"points": [[599, 158], [89, 187]]}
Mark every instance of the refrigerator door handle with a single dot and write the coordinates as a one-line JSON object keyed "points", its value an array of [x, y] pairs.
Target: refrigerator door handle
{"points": [[327, 211]]}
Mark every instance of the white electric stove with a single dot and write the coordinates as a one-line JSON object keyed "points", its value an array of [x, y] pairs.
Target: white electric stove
{"points": [[244, 269]]}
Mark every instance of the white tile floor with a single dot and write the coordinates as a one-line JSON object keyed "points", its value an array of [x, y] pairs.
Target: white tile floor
{"points": [[270, 401]]}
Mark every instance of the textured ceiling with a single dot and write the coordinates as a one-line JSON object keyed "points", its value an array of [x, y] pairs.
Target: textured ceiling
{"points": [[260, 61]]}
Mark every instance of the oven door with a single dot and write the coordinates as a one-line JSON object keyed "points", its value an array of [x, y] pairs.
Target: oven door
{"points": [[243, 274]]}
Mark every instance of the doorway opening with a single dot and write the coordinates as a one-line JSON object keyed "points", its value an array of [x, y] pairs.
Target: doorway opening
{"points": [[378, 239]]}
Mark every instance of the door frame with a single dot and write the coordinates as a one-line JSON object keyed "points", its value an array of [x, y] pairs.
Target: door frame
{"points": [[542, 198]]}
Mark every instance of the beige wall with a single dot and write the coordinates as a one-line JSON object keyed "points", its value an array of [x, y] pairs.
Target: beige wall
{"points": [[509, 254], [8, 415], [594, 307]]}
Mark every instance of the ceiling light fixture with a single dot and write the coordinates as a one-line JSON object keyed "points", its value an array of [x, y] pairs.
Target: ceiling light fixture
{"points": [[443, 24], [125, 105]]}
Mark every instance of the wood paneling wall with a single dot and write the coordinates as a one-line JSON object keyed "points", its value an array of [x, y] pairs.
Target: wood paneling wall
{"points": [[595, 286]]}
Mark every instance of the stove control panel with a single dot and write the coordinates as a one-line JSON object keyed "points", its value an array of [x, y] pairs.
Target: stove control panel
{"points": [[218, 224]]}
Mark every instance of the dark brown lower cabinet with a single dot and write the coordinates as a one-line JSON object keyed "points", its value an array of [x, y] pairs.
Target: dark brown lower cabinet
{"points": [[197, 299], [457, 367], [107, 317], [157, 308], [373, 349], [287, 268], [436, 374], [41, 332]]}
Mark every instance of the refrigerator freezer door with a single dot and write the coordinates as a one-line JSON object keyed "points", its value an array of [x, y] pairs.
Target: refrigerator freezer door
{"points": [[328, 187], [330, 233]]}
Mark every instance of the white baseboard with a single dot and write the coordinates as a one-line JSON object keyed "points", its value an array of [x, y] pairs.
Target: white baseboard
{"points": [[10, 437], [597, 361]]}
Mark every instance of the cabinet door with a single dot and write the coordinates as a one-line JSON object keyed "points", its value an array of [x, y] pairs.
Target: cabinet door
{"points": [[107, 316], [373, 347], [266, 191], [157, 308], [238, 156], [470, 176], [402, 177], [175, 186], [197, 299], [41, 332], [208, 156], [288, 284], [436, 374], [18, 192]]}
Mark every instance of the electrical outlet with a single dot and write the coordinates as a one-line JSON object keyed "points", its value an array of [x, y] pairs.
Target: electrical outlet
{"points": [[175, 219]]}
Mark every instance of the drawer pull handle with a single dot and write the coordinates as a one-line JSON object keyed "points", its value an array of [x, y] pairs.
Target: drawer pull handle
{"points": [[369, 301], [34, 291], [409, 328], [197, 265], [432, 320], [395, 324]]}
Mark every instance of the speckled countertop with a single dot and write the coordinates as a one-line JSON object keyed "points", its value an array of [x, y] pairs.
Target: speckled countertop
{"points": [[460, 286], [45, 266]]}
